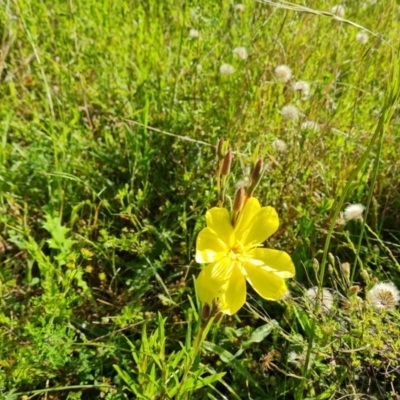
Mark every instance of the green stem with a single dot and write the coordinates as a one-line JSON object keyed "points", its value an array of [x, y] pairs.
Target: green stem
{"points": [[200, 337]]}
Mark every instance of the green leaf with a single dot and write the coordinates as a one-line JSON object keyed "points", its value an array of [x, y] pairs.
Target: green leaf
{"points": [[230, 359], [223, 354], [258, 335], [303, 320]]}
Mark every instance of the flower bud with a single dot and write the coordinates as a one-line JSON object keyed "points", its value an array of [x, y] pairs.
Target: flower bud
{"points": [[331, 258], [315, 265], [205, 312], [215, 308], [354, 290], [226, 166], [346, 270], [364, 275], [218, 317], [239, 199], [255, 174]]}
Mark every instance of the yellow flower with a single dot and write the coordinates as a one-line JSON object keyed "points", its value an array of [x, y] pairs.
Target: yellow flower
{"points": [[234, 256]]}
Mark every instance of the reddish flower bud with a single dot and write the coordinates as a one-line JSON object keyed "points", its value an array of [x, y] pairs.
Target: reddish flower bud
{"points": [[226, 166], [205, 312], [256, 173], [218, 317], [239, 199], [256, 176]]}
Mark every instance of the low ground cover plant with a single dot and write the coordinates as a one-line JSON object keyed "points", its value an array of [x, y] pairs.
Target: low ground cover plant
{"points": [[147, 150]]}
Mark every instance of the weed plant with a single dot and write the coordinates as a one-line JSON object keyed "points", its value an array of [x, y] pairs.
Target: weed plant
{"points": [[110, 115]]}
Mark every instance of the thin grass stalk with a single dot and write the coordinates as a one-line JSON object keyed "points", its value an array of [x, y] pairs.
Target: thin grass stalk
{"points": [[386, 114]]}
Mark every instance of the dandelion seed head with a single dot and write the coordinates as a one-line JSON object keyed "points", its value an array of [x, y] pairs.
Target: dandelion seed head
{"points": [[299, 360], [368, 3], [310, 126], [353, 211], [338, 10], [303, 87], [239, 7], [194, 33], [384, 296], [362, 37], [293, 357], [283, 73], [326, 298], [290, 113], [226, 69], [241, 52], [242, 183], [279, 145]]}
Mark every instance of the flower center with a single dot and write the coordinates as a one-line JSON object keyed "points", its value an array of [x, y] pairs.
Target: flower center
{"points": [[236, 250]]}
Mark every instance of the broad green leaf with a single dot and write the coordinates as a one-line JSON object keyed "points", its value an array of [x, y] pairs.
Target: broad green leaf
{"points": [[258, 335]]}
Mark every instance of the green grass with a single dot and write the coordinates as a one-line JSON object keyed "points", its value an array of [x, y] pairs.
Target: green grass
{"points": [[110, 113]]}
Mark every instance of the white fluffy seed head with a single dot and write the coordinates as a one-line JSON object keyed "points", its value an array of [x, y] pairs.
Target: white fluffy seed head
{"points": [[368, 3], [279, 145], [242, 183], [326, 298], [194, 33], [241, 52], [302, 87], [310, 126], [226, 69], [299, 359], [294, 357], [338, 10], [290, 113], [239, 7], [283, 73], [384, 296], [362, 37], [353, 211]]}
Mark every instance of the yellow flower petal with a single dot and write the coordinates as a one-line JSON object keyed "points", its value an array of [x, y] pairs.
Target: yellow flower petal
{"points": [[219, 220], [262, 226], [276, 261], [267, 284], [209, 247], [234, 295], [212, 280], [242, 226]]}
